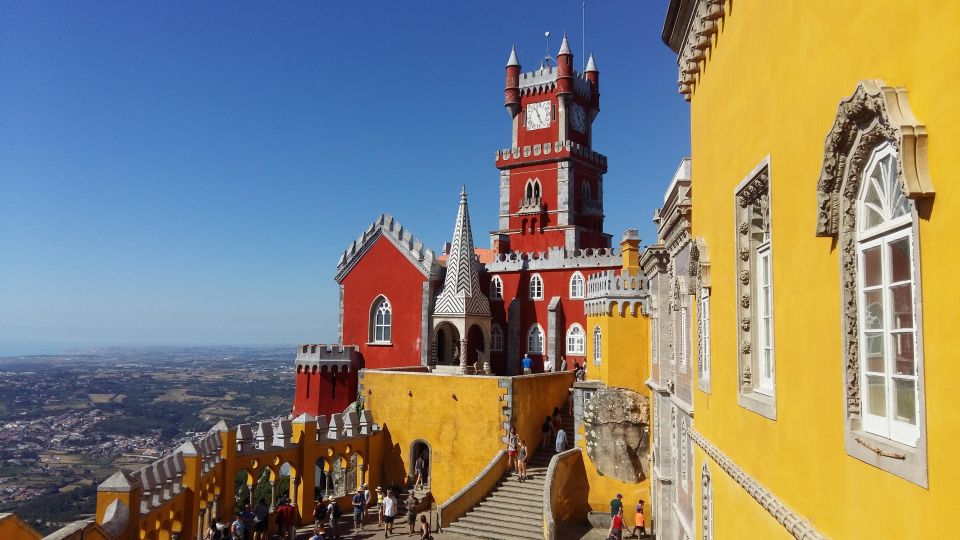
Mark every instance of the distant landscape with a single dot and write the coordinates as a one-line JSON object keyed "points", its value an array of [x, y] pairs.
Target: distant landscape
{"points": [[68, 421]]}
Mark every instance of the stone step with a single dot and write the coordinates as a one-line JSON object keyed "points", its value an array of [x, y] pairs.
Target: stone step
{"points": [[500, 522], [491, 532], [513, 515], [509, 503], [523, 489]]}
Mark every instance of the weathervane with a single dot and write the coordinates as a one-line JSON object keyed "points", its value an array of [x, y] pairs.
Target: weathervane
{"points": [[546, 59]]}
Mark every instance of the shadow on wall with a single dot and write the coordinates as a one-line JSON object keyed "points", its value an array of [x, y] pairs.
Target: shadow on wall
{"points": [[569, 491], [394, 472]]}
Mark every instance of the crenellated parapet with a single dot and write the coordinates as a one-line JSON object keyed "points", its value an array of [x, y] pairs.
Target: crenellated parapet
{"points": [[385, 226], [553, 259], [511, 157], [544, 80], [318, 358], [180, 492], [608, 290]]}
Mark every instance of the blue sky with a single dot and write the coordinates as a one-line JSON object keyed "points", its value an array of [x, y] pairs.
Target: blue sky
{"points": [[189, 172]]}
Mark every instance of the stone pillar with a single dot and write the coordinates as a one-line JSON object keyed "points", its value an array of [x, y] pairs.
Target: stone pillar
{"points": [[201, 528], [463, 354], [273, 496]]}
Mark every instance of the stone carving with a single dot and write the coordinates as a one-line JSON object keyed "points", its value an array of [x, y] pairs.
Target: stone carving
{"points": [[745, 324], [753, 222], [745, 277], [745, 300], [616, 425], [744, 254], [745, 347]]}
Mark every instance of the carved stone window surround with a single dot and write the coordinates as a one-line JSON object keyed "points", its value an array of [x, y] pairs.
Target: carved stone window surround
{"points": [[753, 232], [875, 115], [701, 287]]}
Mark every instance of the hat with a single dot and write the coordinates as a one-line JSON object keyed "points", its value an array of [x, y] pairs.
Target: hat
{"points": [[379, 488], [619, 495]]}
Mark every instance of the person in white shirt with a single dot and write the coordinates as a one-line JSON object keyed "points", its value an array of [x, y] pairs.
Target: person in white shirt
{"points": [[389, 511], [561, 440]]}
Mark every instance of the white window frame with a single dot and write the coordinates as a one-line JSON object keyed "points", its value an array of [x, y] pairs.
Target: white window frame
{"points": [[496, 288], [496, 338], [578, 285], [766, 362], [684, 345], [381, 321], [703, 337], [535, 347], [597, 346], [882, 236], [536, 287], [576, 340]]}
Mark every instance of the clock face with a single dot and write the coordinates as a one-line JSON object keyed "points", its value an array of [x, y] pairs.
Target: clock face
{"points": [[578, 118], [538, 115]]}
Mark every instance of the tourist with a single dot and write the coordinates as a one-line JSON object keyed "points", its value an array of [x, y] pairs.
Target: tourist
{"points": [[237, 528], [548, 365], [412, 504], [616, 505], [522, 460], [561, 440], [260, 516], [286, 520], [616, 526], [418, 468], [546, 433], [556, 421], [527, 364], [563, 363], [358, 510], [333, 515], [389, 512], [246, 516], [318, 532], [638, 527], [570, 401], [512, 442], [215, 530], [424, 529], [367, 497], [319, 512], [379, 506]]}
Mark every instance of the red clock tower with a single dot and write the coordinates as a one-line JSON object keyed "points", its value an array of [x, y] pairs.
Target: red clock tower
{"points": [[551, 181]]}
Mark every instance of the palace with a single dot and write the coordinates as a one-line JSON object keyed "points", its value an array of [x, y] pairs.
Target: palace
{"points": [[775, 365]]}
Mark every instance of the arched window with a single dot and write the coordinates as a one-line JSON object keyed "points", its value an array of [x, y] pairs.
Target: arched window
{"points": [[887, 292], [380, 320], [585, 192], [536, 189], [597, 345], [576, 340], [496, 338], [528, 192], [496, 288], [535, 340], [536, 287], [576, 285]]}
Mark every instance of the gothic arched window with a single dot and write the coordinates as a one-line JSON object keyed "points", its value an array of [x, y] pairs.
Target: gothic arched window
{"points": [[576, 340], [535, 340], [536, 287], [496, 288], [577, 285], [380, 320], [496, 338]]}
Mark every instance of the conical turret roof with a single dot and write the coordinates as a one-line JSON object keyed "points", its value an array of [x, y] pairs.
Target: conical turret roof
{"points": [[513, 61], [461, 293], [564, 46], [591, 65]]}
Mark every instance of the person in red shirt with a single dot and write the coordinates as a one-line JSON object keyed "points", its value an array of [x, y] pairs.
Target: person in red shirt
{"points": [[616, 525], [286, 520]]}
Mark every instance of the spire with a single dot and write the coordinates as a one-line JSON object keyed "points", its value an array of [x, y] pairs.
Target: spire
{"points": [[564, 47], [461, 293], [513, 61], [591, 65]]}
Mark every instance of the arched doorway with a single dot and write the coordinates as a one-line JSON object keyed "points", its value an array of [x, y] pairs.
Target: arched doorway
{"points": [[447, 343], [476, 348], [420, 449]]}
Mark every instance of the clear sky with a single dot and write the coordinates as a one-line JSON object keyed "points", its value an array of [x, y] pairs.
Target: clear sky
{"points": [[189, 172]]}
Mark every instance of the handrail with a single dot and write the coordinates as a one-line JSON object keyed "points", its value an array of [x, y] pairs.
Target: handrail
{"points": [[468, 496], [549, 522]]}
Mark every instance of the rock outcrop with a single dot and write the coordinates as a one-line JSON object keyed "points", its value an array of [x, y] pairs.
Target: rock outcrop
{"points": [[616, 424]]}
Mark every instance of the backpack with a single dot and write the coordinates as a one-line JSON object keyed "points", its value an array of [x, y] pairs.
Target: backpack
{"points": [[336, 512], [320, 512]]}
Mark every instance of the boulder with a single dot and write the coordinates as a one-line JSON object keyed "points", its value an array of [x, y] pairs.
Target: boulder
{"points": [[616, 425]]}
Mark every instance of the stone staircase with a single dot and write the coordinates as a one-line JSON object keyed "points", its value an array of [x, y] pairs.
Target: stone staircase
{"points": [[513, 510]]}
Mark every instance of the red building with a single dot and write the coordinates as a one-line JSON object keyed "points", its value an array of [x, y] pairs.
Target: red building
{"points": [[402, 306]]}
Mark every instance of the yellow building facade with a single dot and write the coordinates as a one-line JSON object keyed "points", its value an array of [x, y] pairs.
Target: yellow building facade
{"points": [[819, 131]]}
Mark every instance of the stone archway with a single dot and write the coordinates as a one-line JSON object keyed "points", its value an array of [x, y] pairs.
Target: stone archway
{"points": [[447, 343], [420, 448], [476, 345]]}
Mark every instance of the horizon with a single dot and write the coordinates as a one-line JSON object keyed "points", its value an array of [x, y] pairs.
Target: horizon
{"points": [[186, 174]]}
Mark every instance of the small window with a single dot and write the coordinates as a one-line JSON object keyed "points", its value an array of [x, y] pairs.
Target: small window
{"points": [[577, 285], [529, 190], [765, 379], [535, 340], [536, 287], [380, 321], [496, 338], [597, 346], [576, 340], [496, 288], [703, 334]]}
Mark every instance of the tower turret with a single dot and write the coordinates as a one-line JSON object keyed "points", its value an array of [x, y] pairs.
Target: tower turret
{"points": [[592, 75], [512, 90], [564, 68]]}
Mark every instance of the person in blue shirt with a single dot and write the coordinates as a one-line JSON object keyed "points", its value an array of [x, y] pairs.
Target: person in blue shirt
{"points": [[527, 364]]}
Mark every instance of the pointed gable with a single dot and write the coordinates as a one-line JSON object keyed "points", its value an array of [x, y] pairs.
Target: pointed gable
{"points": [[385, 226]]}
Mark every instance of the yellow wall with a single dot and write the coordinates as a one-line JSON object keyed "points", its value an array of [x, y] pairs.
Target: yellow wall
{"points": [[534, 398], [463, 433], [625, 350], [771, 87], [12, 528]]}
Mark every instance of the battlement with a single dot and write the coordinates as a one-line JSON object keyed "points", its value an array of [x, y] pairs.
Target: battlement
{"points": [[554, 258], [319, 357], [544, 79], [403, 239], [507, 156], [607, 290]]}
